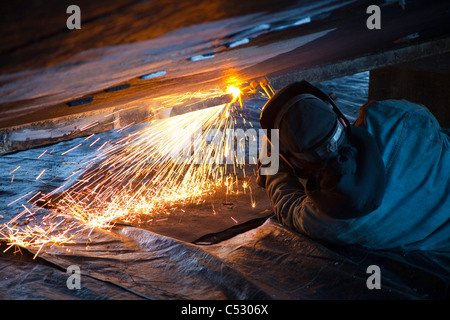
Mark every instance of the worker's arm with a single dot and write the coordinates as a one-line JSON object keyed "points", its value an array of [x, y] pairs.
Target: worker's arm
{"points": [[286, 194]]}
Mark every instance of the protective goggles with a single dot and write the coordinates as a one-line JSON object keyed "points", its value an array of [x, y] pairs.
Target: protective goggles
{"points": [[286, 98]]}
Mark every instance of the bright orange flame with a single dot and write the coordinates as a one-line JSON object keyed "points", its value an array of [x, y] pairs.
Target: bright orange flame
{"points": [[235, 91]]}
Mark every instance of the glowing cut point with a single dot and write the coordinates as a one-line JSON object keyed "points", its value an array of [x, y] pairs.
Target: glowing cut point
{"points": [[235, 91]]}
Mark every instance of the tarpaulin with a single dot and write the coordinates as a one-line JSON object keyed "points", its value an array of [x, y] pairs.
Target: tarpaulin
{"points": [[266, 262]]}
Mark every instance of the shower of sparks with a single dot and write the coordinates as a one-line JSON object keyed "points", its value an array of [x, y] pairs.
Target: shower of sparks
{"points": [[79, 145], [40, 175], [14, 170], [143, 174], [42, 154]]}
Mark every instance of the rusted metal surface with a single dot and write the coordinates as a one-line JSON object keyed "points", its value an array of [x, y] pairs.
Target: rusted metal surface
{"points": [[147, 50]]}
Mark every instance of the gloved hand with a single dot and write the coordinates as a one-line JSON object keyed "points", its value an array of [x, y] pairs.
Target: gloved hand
{"points": [[282, 167]]}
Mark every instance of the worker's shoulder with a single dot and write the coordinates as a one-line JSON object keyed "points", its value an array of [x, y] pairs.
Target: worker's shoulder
{"points": [[397, 121], [389, 111], [393, 104]]}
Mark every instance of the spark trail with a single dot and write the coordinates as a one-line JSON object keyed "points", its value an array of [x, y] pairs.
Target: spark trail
{"points": [[142, 174]]}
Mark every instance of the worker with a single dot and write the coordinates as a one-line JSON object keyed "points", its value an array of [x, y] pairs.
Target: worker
{"points": [[382, 182]]}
